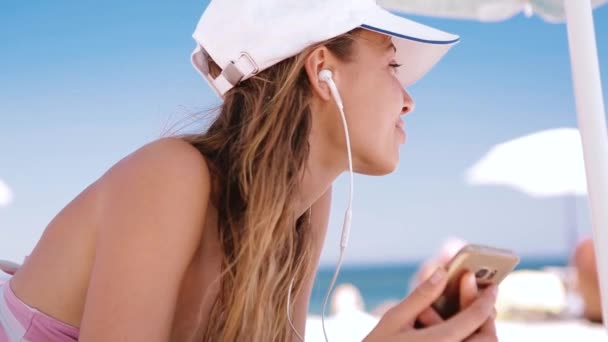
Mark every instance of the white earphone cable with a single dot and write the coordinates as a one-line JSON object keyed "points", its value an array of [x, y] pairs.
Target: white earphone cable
{"points": [[326, 76], [348, 213]]}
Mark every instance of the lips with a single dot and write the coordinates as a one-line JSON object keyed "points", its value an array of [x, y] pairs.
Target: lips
{"points": [[399, 124], [401, 129]]}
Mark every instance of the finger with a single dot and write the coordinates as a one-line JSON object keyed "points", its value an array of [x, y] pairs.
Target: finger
{"points": [[429, 317], [425, 272], [469, 320], [468, 290], [411, 307], [482, 338], [489, 327]]}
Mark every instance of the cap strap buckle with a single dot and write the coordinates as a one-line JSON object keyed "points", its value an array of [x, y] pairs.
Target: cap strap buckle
{"points": [[235, 71]]}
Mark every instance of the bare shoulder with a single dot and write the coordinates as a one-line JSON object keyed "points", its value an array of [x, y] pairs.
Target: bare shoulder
{"points": [[164, 157], [165, 167], [152, 207], [168, 179]]}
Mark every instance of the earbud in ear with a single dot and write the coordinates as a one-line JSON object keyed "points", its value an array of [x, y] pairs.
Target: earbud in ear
{"points": [[326, 75]]}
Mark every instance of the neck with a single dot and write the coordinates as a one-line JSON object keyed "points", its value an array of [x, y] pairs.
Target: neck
{"points": [[322, 169]]}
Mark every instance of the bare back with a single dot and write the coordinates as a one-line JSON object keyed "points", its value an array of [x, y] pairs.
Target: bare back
{"points": [[55, 277]]}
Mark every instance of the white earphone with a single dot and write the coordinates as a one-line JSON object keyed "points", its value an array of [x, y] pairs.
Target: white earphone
{"points": [[326, 76]]}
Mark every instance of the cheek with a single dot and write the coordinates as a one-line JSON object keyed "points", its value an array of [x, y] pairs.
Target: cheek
{"points": [[373, 107], [373, 101], [369, 92], [385, 91], [385, 103]]}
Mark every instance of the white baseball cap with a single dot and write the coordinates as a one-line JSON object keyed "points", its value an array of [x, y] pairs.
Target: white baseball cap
{"points": [[244, 37]]}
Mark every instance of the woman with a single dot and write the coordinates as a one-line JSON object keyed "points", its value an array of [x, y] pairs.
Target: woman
{"points": [[213, 236]]}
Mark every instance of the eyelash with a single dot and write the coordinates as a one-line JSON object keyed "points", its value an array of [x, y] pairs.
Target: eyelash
{"points": [[394, 65]]}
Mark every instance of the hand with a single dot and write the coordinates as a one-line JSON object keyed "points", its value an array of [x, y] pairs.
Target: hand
{"points": [[474, 323], [468, 293]]}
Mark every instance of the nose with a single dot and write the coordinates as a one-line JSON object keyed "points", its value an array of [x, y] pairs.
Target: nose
{"points": [[408, 103]]}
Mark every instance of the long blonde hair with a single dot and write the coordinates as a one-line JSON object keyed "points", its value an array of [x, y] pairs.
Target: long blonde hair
{"points": [[257, 149]]}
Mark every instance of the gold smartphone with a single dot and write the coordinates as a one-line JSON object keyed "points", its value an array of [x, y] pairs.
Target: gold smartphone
{"points": [[490, 266]]}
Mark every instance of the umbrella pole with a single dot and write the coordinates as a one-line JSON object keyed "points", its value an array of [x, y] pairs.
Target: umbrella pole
{"points": [[571, 220], [592, 125]]}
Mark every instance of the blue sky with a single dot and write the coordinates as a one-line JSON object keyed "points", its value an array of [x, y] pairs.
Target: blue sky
{"points": [[84, 83]]}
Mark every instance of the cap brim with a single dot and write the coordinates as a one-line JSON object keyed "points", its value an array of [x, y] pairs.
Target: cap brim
{"points": [[419, 47]]}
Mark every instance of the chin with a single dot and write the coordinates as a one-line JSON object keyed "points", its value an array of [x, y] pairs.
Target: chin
{"points": [[377, 167]]}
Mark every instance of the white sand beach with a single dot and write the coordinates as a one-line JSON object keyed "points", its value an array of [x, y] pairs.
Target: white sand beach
{"points": [[355, 326]]}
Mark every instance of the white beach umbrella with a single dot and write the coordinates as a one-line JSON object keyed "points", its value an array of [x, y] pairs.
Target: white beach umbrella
{"points": [[542, 164], [485, 10], [587, 89], [6, 195]]}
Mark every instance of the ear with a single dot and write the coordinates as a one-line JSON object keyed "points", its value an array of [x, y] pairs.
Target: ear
{"points": [[319, 59]]}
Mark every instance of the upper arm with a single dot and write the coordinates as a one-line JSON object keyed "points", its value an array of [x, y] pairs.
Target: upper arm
{"points": [[319, 220], [152, 206]]}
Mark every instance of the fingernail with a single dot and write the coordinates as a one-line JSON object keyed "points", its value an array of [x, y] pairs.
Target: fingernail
{"points": [[437, 276]]}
